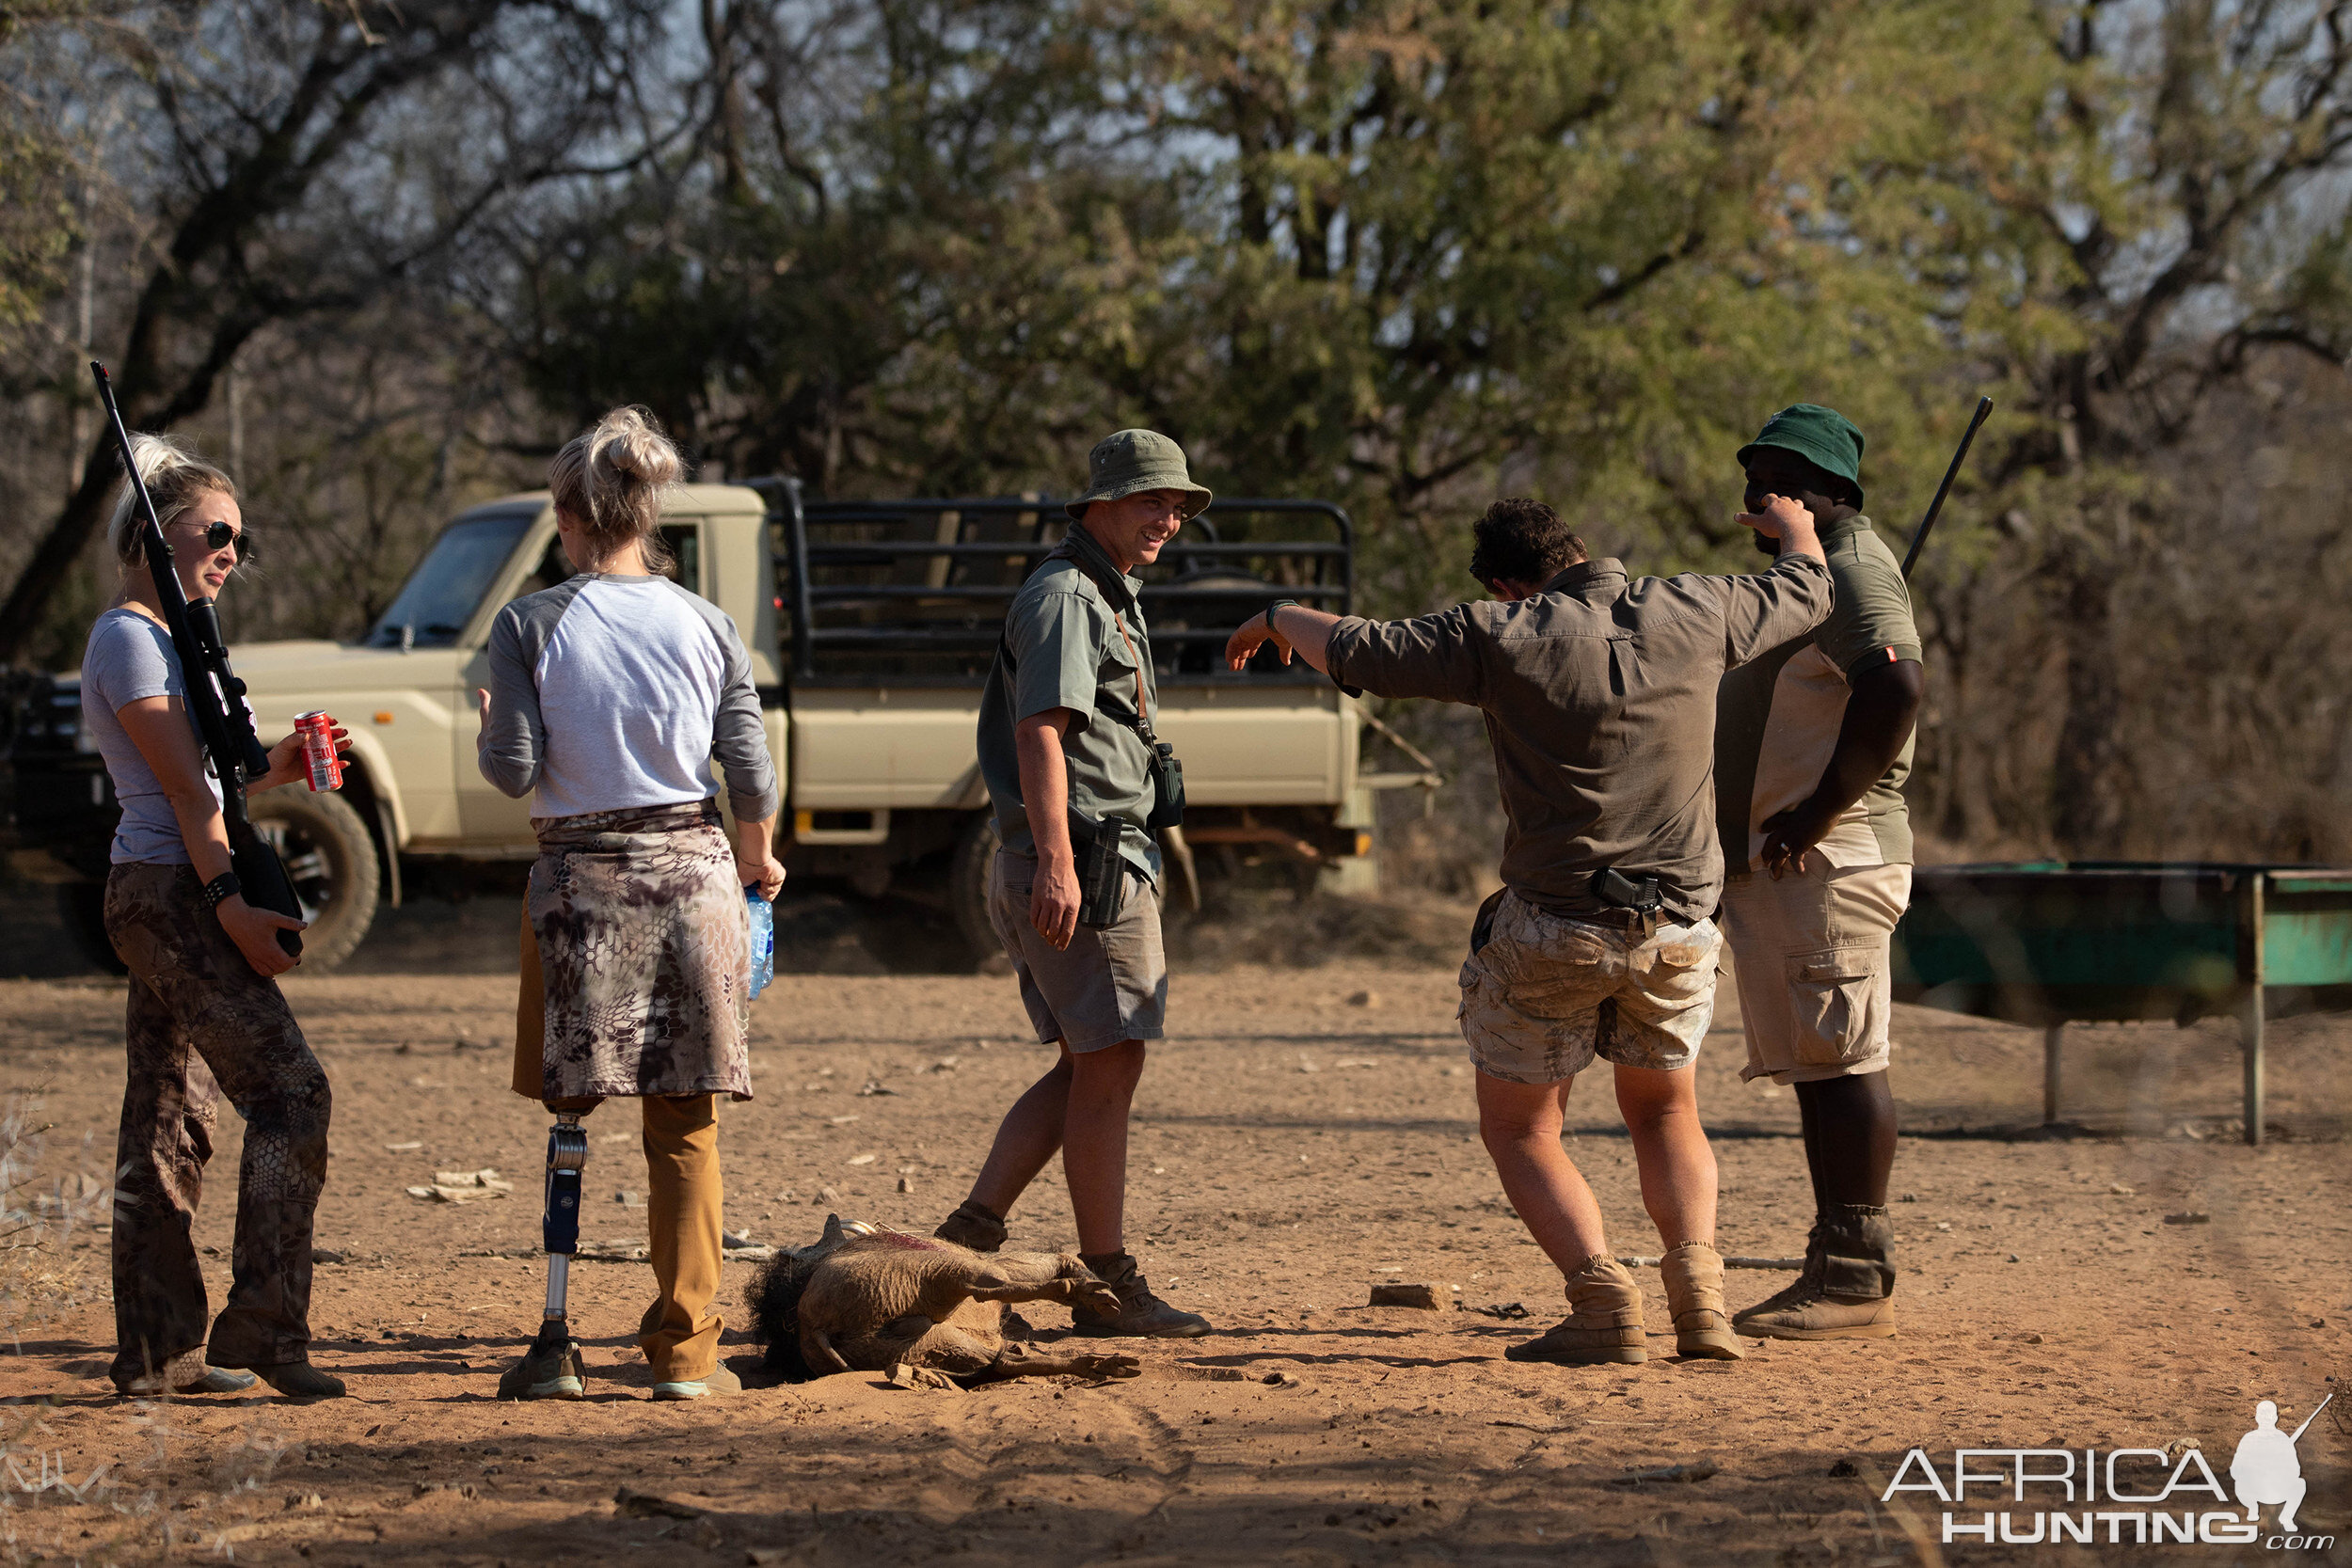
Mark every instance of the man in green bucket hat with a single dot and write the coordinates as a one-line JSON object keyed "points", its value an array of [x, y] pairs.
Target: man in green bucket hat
{"points": [[1067, 751], [1812, 745]]}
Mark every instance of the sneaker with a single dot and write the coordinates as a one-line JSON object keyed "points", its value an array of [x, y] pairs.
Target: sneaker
{"points": [[187, 1374], [1141, 1315], [975, 1226], [551, 1369], [299, 1380], [720, 1381], [1604, 1323]]}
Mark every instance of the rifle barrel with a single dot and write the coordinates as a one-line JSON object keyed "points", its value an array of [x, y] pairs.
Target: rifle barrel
{"points": [[1918, 539]]}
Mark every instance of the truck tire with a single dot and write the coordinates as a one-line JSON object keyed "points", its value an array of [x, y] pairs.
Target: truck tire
{"points": [[968, 886], [82, 909], [331, 861]]}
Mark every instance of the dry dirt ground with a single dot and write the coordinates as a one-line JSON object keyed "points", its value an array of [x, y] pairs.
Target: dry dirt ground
{"points": [[1305, 1135]]}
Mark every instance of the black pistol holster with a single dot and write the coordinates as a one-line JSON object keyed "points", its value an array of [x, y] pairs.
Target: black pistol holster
{"points": [[1640, 896]]}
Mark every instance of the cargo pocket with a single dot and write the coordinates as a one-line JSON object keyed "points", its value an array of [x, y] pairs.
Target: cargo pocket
{"points": [[1833, 996], [1681, 965]]}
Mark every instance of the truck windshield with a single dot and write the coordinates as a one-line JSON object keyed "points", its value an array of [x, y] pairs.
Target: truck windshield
{"points": [[442, 594]]}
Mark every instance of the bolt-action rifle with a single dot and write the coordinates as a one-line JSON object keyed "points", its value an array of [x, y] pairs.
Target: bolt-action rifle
{"points": [[216, 698]]}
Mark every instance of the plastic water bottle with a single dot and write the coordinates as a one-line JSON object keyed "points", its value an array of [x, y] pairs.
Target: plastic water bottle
{"points": [[763, 918]]}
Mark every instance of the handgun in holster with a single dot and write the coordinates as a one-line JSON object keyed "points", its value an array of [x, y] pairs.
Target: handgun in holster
{"points": [[1643, 897]]}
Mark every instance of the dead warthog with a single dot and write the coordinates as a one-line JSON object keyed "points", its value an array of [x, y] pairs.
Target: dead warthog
{"points": [[867, 1299]]}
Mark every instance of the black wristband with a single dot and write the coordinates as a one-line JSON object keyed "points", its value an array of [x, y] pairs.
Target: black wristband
{"points": [[1274, 606], [220, 888]]}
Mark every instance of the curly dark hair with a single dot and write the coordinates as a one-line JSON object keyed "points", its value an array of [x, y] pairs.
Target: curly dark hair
{"points": [[1521, 540]]}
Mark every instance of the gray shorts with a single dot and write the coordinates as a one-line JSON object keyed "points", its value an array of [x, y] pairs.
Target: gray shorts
{"points": [[1106, 987], [1545, 995]]}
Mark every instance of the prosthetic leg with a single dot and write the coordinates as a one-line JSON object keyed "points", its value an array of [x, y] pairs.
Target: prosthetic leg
{"points": [[552, 1369]]}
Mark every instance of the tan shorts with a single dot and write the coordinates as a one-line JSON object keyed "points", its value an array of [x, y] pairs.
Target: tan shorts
{"points": [[1809, 954], [1106, 987], [1544, 994]]}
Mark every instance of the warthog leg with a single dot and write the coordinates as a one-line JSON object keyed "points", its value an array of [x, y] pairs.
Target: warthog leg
{"points": [[1091, 1292], [1030, 1361]]}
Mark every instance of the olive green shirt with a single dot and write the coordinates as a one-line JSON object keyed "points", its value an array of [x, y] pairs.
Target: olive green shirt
{"points": [[1600, 701], [1066, 650], [1777, 721]]}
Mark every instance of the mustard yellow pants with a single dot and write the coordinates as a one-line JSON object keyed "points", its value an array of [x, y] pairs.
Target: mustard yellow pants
{"points": [[684, 1195]]}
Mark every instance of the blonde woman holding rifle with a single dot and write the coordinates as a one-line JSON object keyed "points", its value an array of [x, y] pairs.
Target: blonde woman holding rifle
{"points": [[610, 694], [205, 1015]]}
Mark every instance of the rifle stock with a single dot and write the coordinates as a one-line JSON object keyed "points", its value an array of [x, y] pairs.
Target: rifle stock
{"points": [[216, 697]]}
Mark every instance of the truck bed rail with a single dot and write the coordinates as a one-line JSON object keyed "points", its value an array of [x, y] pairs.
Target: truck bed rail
{"points": [[917, 590]]}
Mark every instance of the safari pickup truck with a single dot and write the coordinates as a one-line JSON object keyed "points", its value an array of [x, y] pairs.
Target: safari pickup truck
{"points": [[870, 624]]}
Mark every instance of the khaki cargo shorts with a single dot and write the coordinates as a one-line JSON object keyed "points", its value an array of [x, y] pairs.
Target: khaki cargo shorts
{"points": [[1544, 994], [1809, 955], [1106, 987]]}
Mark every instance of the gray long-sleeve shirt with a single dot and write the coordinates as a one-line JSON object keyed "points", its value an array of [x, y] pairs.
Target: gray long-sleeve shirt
{"points": [[1599, 700], [614, 692]]}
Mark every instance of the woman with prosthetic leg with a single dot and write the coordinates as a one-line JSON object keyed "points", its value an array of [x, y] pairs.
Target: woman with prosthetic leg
{"points": [[610, 694]]}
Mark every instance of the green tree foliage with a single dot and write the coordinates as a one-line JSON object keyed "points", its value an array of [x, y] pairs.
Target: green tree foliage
{"points": [[1411, 253]]}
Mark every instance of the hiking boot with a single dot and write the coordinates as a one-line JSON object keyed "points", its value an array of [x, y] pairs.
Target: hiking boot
{"points": [[1141, 1315], [719, 1381], [551, 1369], [1845, 1289], [1694, 1275], [975, 1226], [299, 1380], [1604, 1323]]}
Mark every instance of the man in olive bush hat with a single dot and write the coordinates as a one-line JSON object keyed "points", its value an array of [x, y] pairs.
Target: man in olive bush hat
{"points": [[1065, 726], [1812, 745]]}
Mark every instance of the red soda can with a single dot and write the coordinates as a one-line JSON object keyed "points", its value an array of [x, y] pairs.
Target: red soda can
{"points": [[318, 749]]}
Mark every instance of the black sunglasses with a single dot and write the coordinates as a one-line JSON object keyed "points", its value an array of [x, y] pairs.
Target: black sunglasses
{"points": [[220, 537]]}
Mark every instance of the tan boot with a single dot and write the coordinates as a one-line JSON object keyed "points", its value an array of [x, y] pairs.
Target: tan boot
{"points": [[1846, 1290], [1604, 1323], [1141, 1315], [1694, 1272]]}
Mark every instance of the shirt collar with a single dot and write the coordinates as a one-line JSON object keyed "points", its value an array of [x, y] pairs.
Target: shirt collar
{"points": [[1572, 578], [1846, 527], [1082, 547]]}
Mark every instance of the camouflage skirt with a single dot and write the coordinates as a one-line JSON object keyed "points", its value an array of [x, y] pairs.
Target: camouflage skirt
{"points": [[645, 953]]}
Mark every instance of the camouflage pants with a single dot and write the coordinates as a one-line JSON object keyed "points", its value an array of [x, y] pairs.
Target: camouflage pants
{"points": [[200, 1023]]}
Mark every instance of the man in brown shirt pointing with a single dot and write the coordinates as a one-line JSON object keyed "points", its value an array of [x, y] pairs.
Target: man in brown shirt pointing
{"points": [[1598, 695]]}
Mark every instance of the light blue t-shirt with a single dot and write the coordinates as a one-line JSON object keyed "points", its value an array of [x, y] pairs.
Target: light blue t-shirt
{"points": [[130, 657]]}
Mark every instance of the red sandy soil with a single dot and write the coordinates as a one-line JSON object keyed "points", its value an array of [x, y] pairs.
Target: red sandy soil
{"points": [[1303, 1135]]}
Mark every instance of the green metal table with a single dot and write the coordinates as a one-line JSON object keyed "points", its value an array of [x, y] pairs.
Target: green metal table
{"points": [[2052, 943]]}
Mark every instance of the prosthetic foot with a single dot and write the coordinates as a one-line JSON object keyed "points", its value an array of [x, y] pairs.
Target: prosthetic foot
{"points": [[551, 1369]]}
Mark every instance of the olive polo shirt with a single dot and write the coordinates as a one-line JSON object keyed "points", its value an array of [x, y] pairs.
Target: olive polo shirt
{"points": [[1600, 701], [1777, 720], [1063, 636]]}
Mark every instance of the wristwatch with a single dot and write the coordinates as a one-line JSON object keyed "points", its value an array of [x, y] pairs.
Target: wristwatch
{"points": [[221, 887], [1272, 607]]}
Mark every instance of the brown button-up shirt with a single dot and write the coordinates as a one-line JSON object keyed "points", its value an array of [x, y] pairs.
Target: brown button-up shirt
{"points": [[1599, 700]]}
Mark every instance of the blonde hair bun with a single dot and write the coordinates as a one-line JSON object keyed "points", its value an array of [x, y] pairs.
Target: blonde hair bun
{"points": [[612, 479], [176, 478], [628, 442]]}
